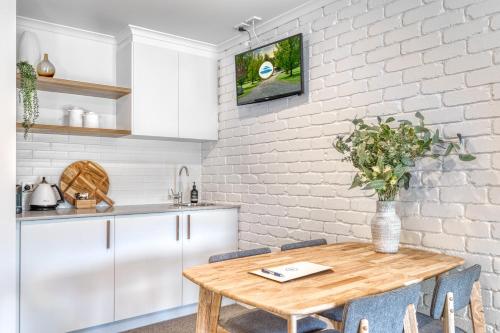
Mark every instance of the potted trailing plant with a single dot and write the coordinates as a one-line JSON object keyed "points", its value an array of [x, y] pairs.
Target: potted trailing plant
{"points": [[384, 154], [28, 94]]}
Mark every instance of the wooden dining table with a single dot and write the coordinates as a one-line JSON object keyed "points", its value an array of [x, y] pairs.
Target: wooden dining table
{"points": [[357, 271]]}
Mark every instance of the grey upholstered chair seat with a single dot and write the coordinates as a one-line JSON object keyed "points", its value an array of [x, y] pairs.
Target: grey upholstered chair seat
{"points": [[300, 245], [259, 321], [426, 324], [334, 314]]}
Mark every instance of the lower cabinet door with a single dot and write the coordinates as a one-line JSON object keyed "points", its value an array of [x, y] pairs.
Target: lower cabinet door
{"points": [[206, 233], [148, 264], [66, 274]]}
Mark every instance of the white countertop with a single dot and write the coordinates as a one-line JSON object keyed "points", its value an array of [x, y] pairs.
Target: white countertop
{"points": [[112, 211]]}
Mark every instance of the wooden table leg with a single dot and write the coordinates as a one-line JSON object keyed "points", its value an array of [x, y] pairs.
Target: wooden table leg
{"points": [[410, 321], [292, 324], [208, 311], [477, 310]]}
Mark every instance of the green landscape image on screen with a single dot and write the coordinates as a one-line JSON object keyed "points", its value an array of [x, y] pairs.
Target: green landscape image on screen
{"points": [[269, 71]]}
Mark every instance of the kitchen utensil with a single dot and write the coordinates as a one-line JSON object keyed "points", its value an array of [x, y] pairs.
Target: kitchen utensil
{"points": [[44, 196], [85, 204], [85, 177], [90, 120], [75, 117]]}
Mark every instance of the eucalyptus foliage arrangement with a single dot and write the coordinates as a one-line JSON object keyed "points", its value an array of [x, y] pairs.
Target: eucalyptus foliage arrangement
{"points": [[384, 154], [28, 94]]}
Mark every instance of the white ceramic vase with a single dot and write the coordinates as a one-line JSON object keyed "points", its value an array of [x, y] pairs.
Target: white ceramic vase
{"points": [[29, 48], [386, 227]]}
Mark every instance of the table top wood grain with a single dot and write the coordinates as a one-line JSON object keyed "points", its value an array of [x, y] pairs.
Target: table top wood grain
{"points": [[357, 271]]}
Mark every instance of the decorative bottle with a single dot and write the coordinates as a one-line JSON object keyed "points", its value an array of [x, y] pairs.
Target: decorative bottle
{"points": [[194, 194]]}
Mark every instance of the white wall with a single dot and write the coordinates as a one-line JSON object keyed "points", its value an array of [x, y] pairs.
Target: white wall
{"points": [[141, 171], [368, 58], [7, 167]]}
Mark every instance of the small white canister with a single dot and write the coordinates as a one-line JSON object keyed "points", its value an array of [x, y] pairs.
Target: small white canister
{"points": [[75, 117], [90, 120]]}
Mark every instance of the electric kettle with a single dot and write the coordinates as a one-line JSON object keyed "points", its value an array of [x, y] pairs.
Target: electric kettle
{"points": [[44, 197]]}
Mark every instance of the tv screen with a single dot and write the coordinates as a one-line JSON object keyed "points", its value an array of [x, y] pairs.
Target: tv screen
{"points": [[270, 71]]}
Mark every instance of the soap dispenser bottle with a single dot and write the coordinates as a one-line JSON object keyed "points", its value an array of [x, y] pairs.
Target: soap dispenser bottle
{"points": [[194, 194]]}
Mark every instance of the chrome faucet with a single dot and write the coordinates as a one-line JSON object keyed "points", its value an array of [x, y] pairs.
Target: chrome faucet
{"points": [[177, 197]]}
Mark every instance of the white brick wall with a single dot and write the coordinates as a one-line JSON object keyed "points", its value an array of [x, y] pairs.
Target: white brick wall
{"points": [[369, 58]]}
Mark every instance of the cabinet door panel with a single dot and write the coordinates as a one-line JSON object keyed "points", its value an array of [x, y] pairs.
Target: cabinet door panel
{"points": [[198, 102], [66, 275], [210, 232], [155, 91], [148, 275]]}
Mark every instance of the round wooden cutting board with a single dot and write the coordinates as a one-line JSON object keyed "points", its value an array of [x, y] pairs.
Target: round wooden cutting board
{"points": [[85, 177]]}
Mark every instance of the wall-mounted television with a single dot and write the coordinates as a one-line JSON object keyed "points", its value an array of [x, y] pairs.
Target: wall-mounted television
{"points": [[269, 72]]}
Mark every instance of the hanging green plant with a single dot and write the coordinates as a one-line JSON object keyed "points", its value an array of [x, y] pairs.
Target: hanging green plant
{"points": [[28, 95]]}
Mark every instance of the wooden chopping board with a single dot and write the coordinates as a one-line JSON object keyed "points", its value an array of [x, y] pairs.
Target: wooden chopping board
{"points": [[85, 177]]}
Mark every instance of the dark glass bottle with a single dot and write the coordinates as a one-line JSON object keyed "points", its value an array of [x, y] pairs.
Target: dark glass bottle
{"points": [[194, 194]]}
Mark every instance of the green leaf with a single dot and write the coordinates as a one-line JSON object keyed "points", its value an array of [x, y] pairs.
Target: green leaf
{"points": [[448, 150], [379, 119], [389, 120], [435, 137], [399, 170], [466, 157], [357, 121], [377, 184], [419, 116], [407, 161], [405, 122], [356, 182]]}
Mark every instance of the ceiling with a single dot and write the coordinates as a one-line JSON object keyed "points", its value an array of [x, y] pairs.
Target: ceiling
{"points": [[210, 21]]}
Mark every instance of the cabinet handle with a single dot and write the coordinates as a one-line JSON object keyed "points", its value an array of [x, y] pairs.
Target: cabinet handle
{"points": [[189, 227], [108, 234], [177, 227]]}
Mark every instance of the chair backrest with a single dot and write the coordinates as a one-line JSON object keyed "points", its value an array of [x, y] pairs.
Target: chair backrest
{"points": [[299, 245], [460, 284], [238, 254], [385, 312]]}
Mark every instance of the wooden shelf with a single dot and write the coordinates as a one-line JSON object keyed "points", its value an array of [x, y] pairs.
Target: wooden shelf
{"points": [[79, 88], [68, 130]]}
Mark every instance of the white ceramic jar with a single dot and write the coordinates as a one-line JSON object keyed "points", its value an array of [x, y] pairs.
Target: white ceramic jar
{"points": [[90, 120], [75, 117]]}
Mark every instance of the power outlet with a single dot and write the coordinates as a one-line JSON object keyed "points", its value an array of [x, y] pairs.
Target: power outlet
{"points": [[27, 187]]}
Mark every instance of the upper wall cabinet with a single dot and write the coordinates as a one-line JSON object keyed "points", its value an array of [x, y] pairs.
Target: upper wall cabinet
{"points": [[174, 86]]}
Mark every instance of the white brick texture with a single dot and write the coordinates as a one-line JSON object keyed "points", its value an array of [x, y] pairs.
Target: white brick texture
{"points": [[367, 59]]}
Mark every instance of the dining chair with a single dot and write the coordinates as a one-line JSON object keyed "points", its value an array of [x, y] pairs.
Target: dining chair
{"points": [[453, 292], [382, 313], [259, 321], [299, 245]]}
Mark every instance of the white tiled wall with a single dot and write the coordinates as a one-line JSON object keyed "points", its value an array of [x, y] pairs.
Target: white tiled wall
{"points": [[367, 58], [140, 171]]}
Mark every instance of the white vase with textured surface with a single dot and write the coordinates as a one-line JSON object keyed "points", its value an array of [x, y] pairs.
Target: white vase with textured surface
{"points": [[29, 48], [386, 227]]}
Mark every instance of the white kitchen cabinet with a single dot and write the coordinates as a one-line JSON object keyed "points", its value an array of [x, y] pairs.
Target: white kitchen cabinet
{"points": [[174, 86], [155, 91], [148, 264], [66, 274], [206, 233], [198, 108]]}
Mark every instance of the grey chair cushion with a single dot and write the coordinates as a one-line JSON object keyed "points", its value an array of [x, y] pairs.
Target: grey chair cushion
{"points": [[238, 254], [385, 312], [259, 321], [426, 324], [299, 245], [334, 314], [460, 284]]}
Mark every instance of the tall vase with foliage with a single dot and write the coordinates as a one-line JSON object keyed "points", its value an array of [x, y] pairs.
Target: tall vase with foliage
{"points": [[384, 155], [28, 95]]}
